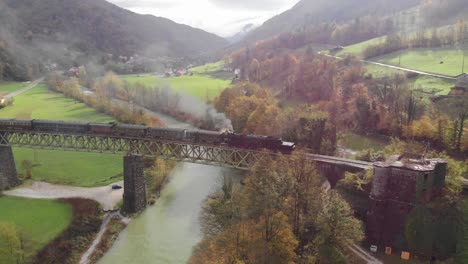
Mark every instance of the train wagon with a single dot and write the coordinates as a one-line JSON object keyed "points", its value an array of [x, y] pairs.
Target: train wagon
{"points": [[66, 127], [15, 124], [176, 134], [101, 129], [205, 137], [129, 131]]}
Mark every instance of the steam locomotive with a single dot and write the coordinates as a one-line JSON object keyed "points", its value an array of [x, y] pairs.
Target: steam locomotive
{"points": [[203, 137]]}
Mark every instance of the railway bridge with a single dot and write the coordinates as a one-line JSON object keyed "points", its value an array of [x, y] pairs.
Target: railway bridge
{"points": [[135, 149]]}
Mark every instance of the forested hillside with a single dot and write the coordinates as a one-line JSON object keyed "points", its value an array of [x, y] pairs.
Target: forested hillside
{"points": [[312, 12], [63, 30]]}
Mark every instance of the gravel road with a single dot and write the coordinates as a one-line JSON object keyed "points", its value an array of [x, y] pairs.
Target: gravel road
{"points": [[107, 197]]}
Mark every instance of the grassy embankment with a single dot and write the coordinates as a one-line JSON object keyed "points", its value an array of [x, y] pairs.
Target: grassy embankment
{"points": [[9, 87], [206, 84], [71, 168], [38, 221]]}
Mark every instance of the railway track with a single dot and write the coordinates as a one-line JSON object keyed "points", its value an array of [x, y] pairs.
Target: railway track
{"points": [[343, 161]]}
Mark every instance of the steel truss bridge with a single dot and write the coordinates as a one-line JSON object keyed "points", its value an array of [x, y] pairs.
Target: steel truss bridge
{"points": [[134, 149], [217, 155]]}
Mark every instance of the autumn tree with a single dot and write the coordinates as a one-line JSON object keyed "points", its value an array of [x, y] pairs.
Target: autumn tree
{"points": [[27, 166], [265, 120], [336, 225], [311, 129], [306, 187], [240, 109], [10, 244], [247, 243], [457, 108]]}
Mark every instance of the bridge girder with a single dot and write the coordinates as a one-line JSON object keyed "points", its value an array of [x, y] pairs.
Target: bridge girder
{"points": [[178, 151]]}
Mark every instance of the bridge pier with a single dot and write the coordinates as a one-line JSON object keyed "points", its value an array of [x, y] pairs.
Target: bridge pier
{"points": [[134, 197], [333, 173], [8, 174]]}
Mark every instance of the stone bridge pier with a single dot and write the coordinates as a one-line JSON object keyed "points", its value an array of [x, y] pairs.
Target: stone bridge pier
{"points": [[8, 174], [134, 197]]}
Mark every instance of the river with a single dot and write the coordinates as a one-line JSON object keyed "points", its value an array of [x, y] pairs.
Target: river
{"points": [[167, 231]]}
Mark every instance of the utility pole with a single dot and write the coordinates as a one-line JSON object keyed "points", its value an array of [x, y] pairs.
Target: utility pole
{"points": [[463, 61]]}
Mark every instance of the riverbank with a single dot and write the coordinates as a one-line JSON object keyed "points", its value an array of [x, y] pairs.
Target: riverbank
{"points": [[167, 231], [68, 247], [112, 225]]}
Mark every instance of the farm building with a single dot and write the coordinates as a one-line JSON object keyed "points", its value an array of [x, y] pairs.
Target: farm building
{"points": [[461, 87], [462, 81]]}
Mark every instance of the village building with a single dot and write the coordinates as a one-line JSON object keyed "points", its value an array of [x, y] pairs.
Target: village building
{"points": [[74, 72]]}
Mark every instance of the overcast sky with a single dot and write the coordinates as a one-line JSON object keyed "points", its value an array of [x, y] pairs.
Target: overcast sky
{"points": [[222, 17]]}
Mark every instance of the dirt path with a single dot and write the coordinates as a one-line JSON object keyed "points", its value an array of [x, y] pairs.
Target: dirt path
{"points": [[397, 68], [25, 89], [368, 258], [107, 197], [85, 257]]}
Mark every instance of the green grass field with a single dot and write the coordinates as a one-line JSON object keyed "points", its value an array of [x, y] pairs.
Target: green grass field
{"points": [[433, 86], [9, 87], [378, 71], [428, 60], [78, 169], [200, 86], [210, 67], [38, 221], [428, 85], [358, 48]]}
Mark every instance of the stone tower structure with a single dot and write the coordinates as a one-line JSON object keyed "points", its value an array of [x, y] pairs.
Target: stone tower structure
{"points": [[399, 185]]}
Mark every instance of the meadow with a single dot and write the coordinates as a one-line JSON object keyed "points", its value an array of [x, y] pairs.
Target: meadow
{"points": [[446, 61], [38, 221], [204, 87], [9, 87], [428, 85], [210, 67], [358, 48], [71, 168], [440, 61]]}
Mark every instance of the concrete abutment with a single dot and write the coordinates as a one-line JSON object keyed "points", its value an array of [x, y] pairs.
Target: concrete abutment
{"points": [[134, 197]]}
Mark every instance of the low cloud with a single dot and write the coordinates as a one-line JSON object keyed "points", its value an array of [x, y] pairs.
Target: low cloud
{"points": [[222, 17], [261, 5]]}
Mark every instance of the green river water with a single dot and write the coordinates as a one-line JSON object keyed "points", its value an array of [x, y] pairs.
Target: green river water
{"points": [[167, 231]]}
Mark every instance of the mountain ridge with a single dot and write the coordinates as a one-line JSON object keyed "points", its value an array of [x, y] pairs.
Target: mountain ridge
{"points": [[316, 11], [66, 31]]}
